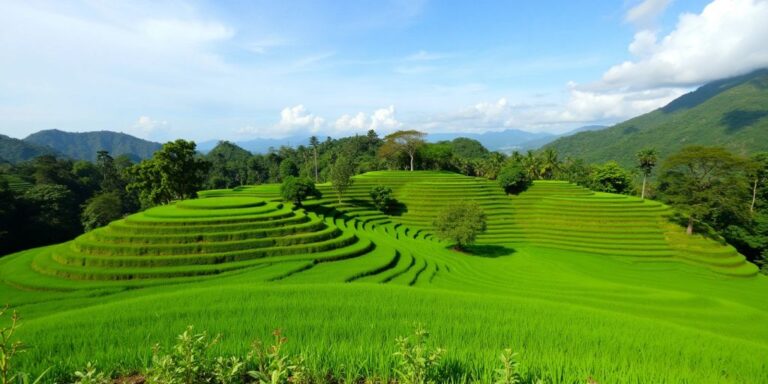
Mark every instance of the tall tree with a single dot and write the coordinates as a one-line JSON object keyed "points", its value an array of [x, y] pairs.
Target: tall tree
{"points": [[700, 181], [173, 173], [341, 176], [550, 164], [759, 173], [314, 143], [402, 142], [531, 164], [646, 161]]}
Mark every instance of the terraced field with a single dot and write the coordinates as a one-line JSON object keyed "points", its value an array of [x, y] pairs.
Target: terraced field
{"points": [[583, 284]]}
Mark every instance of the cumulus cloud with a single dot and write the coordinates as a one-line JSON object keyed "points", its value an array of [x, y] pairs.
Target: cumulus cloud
{"points": [[588, 106], [382, 119], [727, 38], [297, 118]]}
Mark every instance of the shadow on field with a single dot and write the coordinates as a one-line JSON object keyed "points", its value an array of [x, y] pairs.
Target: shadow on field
{"points": [[489, 250]]}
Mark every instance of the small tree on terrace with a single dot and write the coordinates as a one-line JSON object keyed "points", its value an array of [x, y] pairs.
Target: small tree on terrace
{"points": [[646, 160], [701, 181], [341, 176], [460, 223], [513, 178], [382, 197], [297, 189], [402, 142]]}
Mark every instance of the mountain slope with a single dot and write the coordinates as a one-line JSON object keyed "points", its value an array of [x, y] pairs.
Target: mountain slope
{"points": [[15, 150], [84, 145], [732, 113]]}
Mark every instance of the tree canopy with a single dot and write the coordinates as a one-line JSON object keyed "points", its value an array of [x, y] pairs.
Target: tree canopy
{"points": [[460, 223], [402, 143]]}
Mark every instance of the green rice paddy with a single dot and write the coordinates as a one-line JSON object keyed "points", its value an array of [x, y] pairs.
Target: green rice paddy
{"points": [[582, 284]]}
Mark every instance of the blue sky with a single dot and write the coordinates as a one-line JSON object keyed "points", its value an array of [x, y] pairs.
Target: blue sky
{"points": [[241, 70]]}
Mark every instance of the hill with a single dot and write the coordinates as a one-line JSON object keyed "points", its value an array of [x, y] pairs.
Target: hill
{"points": [[732, 113], [601, 272], [15, 150], [84, 145]]}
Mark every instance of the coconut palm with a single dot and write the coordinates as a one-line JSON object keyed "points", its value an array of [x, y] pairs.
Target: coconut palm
{"points": [[646, 160]]}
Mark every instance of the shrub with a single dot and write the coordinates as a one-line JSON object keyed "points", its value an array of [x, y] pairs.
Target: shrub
{"points": [[611, 177], [296, 189], [91, 375], [514, 179], [383, 198], [187, 362], [273, 366], [101, 209], [417, 363], [508, 373], [460, 223]]}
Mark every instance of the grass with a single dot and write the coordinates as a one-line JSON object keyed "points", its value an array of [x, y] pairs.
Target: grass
{"points": [[583, 284]]}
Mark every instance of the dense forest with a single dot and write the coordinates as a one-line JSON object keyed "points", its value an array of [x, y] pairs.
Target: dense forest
{"points": [[48, 199]]}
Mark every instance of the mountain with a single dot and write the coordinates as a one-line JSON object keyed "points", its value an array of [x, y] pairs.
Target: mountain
{"points": [[732, 113], [84, 145], [15, 150]]}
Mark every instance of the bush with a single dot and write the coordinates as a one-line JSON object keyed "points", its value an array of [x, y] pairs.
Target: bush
{"points": [[417, 363], [460, 223], [101, 210], [383, 198], [297, 189], [611, 177], [514, 179]]}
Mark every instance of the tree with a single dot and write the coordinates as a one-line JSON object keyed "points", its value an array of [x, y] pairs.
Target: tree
{"points": [[513, 178], [550, 164], [110, 177], [461, 223], [297, 189], [402, 142], [646, 160], [173, 173], [288, 168], [383, 198], [758, 171], [532, 165], [101, 210], [610, 177], [314, 142], [53, 215], [702, 182], [341, 176]]}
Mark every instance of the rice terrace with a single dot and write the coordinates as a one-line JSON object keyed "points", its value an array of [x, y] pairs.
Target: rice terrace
{"points": [[611, 228]]}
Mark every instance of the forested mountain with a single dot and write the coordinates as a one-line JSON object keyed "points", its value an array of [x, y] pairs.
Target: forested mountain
{"points": [[732, 113], [84, 145], [15, 150]]}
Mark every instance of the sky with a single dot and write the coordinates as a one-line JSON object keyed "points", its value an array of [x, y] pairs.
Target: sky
{"points": [[240, 70]]}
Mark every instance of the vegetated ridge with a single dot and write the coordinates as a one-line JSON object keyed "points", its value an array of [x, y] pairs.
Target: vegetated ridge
{"points": [[85, 145], [15, 150], [732, 113]]}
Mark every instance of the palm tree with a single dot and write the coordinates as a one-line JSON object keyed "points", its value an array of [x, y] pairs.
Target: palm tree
{"points": [[550, 164], [646, 160], [314, 142], [531, 163]]}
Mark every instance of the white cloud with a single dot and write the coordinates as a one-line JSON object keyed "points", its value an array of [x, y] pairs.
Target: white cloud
{"points": [[588, 106], [147, 127], [183, 32], [297, 117], [646, 12], [382, 120], [727, 38]]}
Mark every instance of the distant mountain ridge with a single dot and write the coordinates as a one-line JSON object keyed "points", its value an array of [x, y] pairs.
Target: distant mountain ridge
{"points": [[732, 113], [15, 150], [84, 145]]}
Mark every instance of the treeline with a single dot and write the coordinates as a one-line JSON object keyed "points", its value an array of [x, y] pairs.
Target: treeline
{"points": [[716, 192]]}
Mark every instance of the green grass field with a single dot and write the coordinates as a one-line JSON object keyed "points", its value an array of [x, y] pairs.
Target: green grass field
{"points": [[582, 284]]}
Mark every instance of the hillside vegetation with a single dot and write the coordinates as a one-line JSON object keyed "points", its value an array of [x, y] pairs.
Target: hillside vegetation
{"points": [[585, 284], [15, 150], [732, 113], [85, 145]]}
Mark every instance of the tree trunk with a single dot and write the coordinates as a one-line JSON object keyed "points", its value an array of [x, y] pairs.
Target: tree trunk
{"points": [[316, 178], [642, 193], [411, 162], [689, 230], [754, 197]]}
